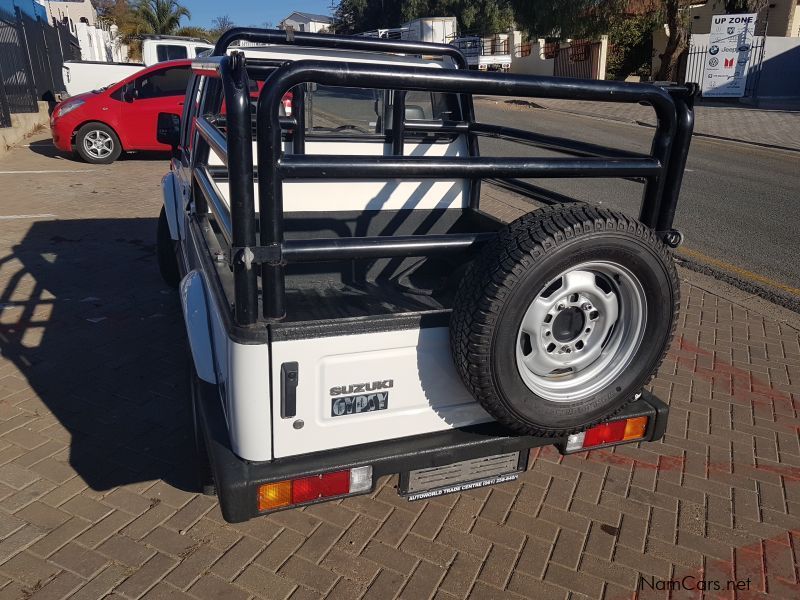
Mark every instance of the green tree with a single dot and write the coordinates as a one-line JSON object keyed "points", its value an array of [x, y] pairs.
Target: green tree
{"points": [[630, 45], [566, 18], [480, 16], [195, 32], [160, 16], [675, 15]]}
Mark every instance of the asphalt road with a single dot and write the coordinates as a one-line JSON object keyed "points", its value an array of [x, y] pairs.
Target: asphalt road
{"points": [[739, 208]]}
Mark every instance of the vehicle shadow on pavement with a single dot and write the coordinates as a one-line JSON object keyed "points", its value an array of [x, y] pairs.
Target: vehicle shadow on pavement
{"points": [[47, 149], [100, 339]]}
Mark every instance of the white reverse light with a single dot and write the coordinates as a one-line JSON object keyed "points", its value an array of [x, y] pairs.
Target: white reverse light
{"points": [[361, 479], [575, 442]]}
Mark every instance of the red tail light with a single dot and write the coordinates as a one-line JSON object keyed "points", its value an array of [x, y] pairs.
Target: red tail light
{"points": [[287, 103], [612, 432], [293, 492]]}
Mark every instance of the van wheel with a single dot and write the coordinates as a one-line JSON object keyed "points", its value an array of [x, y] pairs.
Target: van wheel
{"points": [[97, 144], [165, 252], [202, 466], [563, 318]]}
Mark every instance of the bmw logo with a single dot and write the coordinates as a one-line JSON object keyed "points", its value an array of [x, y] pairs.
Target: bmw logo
{"points": [[713, 50]]}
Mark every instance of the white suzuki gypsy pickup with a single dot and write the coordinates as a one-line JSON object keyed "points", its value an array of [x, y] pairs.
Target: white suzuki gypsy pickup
{"points": [[351, 310]]}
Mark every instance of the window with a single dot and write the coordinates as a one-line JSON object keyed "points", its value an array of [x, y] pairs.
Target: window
{"points": [[431, 106], [419, 105], [170, 52], [344, 111], [198, 50], [165, 82]]}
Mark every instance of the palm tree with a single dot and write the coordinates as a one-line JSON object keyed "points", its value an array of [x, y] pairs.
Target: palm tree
{"points": [[161, 17]]}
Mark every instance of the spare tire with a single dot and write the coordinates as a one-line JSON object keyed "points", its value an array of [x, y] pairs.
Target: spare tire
{"points": [[563, 318]]}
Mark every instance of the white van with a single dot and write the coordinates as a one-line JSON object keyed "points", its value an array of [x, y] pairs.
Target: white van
{"points": [[158, 48], [85, 76]]}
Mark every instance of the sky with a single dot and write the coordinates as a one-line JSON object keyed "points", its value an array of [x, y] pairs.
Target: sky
{"points": [[251, 12]]}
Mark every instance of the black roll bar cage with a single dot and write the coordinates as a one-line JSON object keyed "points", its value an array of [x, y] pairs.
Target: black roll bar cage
{"points": [[661, 170]]}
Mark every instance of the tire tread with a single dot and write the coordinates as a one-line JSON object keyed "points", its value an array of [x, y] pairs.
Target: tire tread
{"points": [[521, 244]]}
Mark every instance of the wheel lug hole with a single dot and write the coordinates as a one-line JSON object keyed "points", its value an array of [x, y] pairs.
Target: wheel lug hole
{"points": [[589, 330], [560, 307], [586, 306], [547, 334], [566, 349]]}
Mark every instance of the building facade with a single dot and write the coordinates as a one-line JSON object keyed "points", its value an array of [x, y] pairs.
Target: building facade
{"points": [[77, 11], [307, 22]]}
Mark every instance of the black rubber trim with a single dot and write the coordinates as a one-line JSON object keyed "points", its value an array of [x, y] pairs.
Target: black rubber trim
{"points": [[237, 480], [357, 325]]}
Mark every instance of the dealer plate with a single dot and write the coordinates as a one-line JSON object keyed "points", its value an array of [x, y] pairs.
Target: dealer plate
{"points": [[464, 475]]}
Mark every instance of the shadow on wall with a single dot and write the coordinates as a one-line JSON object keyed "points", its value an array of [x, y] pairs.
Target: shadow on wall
{"points": [[780, 69], [87, 320]]}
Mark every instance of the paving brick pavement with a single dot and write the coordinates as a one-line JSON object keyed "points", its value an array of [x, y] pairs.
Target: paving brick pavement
{"points": [[94, 442], [780, 128]]}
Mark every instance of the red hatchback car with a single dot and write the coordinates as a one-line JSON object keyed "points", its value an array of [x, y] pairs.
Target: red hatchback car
{"points": [[102, 124]]}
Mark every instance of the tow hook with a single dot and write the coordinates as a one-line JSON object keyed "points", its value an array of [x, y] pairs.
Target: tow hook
{"points": [[672, 238]]}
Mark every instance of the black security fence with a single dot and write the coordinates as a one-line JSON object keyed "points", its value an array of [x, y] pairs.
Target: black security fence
{"points": [[32, 53]]}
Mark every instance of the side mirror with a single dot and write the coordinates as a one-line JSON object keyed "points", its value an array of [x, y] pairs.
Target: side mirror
{"points": [[168, 130]]}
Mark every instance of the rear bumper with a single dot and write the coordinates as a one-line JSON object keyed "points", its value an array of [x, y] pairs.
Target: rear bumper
{"points": [[237, 481]]}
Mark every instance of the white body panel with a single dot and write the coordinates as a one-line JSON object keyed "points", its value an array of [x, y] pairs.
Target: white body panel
{"points": [[191, 48], [491, 60], [324, 196], [439, 30], [242, 373], [426, 394], [247, 400], [81, 77]]}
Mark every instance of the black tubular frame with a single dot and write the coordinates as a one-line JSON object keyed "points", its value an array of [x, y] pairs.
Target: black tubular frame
{"points": [[661, 170]]}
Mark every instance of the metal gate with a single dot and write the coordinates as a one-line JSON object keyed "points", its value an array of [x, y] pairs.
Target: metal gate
{"points": [[579, 59], [694, 66], [32, 54], [16, 81]]}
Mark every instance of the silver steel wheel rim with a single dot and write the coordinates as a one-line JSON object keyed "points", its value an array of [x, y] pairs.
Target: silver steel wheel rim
{"points": [[563, 363], [98, 144]]}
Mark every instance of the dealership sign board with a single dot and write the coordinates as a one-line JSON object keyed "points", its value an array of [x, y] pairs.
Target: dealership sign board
{"points": [[729, 46]]}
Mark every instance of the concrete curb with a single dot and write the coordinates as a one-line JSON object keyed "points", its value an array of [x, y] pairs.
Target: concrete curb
{"points": [[22, 125], [748, 301]]}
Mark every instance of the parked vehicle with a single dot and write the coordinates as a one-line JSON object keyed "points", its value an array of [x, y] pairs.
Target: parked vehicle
{"points": [[81, 76], [484, 54], [437, 30], [161, 48], [352, 311], [98, 126], [85, 76]]}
